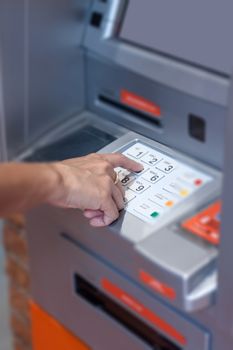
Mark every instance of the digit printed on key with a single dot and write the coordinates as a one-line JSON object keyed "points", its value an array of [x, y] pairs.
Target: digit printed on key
{"points": [[139, 186], [153, 176]]}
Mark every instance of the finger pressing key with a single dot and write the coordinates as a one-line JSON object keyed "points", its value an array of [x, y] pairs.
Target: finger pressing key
{"points": [[119, 160]]}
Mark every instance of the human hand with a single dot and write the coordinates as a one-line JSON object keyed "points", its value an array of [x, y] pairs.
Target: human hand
{"points": [[87, 183]]}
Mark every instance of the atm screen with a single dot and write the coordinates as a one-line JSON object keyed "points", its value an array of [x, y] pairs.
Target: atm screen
{"points": [[163, 184], [171, 28]]}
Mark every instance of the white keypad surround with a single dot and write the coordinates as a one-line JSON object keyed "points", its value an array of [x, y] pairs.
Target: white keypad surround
{"points": [[162, 185]]}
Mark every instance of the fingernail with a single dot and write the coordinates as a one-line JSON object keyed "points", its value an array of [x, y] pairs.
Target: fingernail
{"points": [[142, 168]]}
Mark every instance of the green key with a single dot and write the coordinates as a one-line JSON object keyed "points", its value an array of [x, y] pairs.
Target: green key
{"points": [[154, 214]]}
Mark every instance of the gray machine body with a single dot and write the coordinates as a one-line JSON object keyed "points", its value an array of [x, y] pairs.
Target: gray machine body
{"points": [[92, 58], [119, 253], [41, 59]]}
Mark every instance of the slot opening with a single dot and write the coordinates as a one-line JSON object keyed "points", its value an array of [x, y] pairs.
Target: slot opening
{"points": [[97, 298], [130, 110]]}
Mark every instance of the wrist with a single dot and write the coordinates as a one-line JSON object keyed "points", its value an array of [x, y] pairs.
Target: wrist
{"points": [[53, 180]]}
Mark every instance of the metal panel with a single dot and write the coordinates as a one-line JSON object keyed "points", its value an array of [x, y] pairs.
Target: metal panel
{"points": [[165, 70], [12, 31], [176, 26], [105, 78], [42, 66], [56, 62], [54, 273], [118, 255], [224, 302]]}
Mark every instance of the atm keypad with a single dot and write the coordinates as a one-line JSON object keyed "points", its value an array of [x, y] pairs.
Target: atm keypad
{"points": [[162, 184]]}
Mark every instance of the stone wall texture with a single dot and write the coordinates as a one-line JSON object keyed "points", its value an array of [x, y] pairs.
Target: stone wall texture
{"points": [[17, 269]]}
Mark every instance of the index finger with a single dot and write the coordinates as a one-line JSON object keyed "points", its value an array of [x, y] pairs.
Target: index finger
{"points": [[119, 160]]}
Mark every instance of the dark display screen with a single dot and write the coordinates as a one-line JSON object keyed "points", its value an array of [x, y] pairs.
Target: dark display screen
{"points": [[198, 32]]}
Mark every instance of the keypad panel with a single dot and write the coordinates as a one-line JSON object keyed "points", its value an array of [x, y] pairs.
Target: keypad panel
{"points": [[163, 184]]}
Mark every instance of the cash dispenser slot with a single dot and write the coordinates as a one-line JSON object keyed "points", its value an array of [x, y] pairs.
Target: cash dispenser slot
{"points": [[107, 101], [97, 298]]}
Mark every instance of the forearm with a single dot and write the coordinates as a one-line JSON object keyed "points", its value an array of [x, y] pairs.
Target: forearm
{"points": [[23, 186], [86, 183]]}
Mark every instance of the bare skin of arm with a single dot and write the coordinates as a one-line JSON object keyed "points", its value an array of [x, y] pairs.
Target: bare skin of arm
{"points": [[85, 183]]}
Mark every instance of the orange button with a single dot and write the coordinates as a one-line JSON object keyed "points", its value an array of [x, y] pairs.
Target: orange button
{"points": [[169, 203]]}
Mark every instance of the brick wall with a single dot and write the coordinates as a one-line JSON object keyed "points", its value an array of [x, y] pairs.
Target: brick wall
{"points": [[17, 269]]}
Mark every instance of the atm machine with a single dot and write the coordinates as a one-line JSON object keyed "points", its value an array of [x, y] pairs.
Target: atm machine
{"points": [[156, 80]]}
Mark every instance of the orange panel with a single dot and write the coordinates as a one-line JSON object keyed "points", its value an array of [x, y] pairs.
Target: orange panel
{"points": [[206, 223], [48, 334]]}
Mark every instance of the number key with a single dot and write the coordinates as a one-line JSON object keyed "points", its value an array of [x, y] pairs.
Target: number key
{"points": [[166, 166], [136, 151], [151, 158], [139, 186], [153, 176]]}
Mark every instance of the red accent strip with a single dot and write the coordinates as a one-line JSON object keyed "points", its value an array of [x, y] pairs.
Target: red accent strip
{"points": [[134, 304], [156, 285], [140, 103]]}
